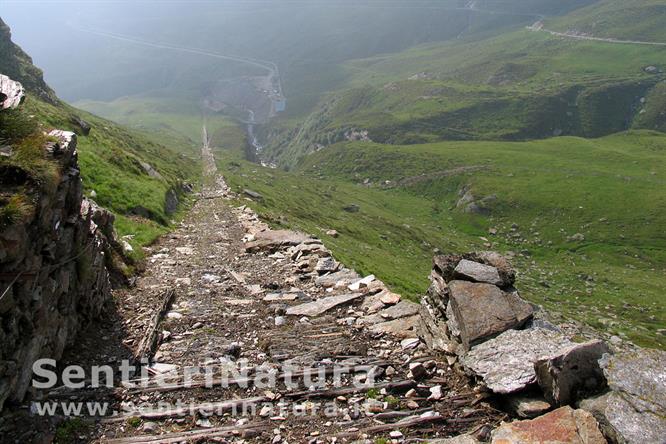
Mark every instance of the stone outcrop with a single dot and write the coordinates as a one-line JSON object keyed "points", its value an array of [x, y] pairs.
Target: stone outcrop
{"points": [[634, 410], [505, 364], [11, 93], [474, 315], [53, 273], [470, 300]]}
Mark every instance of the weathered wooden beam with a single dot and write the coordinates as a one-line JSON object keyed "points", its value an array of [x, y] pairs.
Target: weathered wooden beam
{"points": [[149, 343], [192, 435]]}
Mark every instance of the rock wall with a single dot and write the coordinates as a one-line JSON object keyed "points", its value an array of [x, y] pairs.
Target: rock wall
{"points": [[53, 276], [474, 315]]}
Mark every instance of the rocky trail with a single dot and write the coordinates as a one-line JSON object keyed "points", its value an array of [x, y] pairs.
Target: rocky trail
{"points": [[225, 291]]}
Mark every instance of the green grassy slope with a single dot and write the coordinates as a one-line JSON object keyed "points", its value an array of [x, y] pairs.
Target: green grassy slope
{"points": [[521, 85], [609, 190], [620, 19]]}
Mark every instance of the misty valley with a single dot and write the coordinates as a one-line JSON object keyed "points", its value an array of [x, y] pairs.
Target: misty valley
{"points": [[333, 221]]}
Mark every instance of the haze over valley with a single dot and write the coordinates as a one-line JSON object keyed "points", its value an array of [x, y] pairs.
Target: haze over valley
{"points": [[218, 133]]}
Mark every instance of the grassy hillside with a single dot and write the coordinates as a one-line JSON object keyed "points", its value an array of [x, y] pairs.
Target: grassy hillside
{"points": [[582, 217], [620, 19], [518, 86], [125, 170]]}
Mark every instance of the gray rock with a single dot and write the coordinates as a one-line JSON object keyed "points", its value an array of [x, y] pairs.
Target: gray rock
{"points": [[505, 364], [477, 272], [11, 93], [482, 311], [400, 328], [572, 371], [326, 265], [252, 194], [6, 151], [434, 331], [273, 240], [152, 172], [635, 409], [330, 280], [85, 126], [170, 202], [149, 427], [321, 306], [353, 208], [501, 263], [400, 310]]}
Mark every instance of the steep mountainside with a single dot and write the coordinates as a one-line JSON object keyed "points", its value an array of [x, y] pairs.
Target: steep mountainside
{"points": [[139, 179], [619, 19], [518, 86]]}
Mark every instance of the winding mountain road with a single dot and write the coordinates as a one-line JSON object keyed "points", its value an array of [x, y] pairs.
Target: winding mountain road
{"points": [[271, 67]]}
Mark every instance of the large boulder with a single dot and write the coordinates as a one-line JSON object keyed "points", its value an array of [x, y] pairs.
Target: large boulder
{"points": [[482, 311], [505, 364], [635, 409], [562, 426], [572, 371]]}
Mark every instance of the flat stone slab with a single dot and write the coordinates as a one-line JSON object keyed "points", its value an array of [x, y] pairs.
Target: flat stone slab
{"points": [[481, 311], [402, 328], [562, 426], [478, 272], [401, 310], [345, 276], [239, 302], [272, 240], [321, 306], [280, 297], [506, 363]]}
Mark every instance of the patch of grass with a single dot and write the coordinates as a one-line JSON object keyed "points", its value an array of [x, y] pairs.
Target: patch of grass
{"points": [[134, 422], [373, 393], [68, 431], [15, 125], [392, 401], [16, 209]]}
